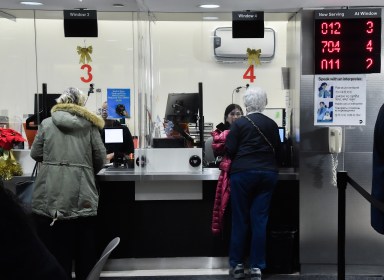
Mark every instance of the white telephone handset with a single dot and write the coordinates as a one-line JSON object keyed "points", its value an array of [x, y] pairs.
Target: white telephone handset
{"points": [[335, 139]]}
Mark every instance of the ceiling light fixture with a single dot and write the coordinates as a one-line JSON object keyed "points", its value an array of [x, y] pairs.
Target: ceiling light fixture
{"points": [[31, 3], [210, 18], [209, 6]]}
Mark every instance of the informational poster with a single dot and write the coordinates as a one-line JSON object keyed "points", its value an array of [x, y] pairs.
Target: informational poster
{"points": [[119, 103], [340, 99]]}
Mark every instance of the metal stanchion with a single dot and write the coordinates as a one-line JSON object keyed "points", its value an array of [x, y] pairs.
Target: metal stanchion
{"points": [[342, 177]]}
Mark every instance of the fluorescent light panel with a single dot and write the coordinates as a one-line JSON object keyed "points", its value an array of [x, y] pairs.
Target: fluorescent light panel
{"points": [[31, 3], [209, 6]]}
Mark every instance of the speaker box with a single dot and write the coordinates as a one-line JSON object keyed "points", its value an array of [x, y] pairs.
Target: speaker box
{"points": [[248, 24], [80, 23]]}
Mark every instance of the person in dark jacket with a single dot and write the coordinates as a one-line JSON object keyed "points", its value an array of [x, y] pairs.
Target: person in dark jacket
{"points": [[23, 255], [377, 217], [65, 200], [231, 114], [252, 144]]}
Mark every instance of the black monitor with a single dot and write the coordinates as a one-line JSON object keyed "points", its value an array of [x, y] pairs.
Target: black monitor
{"points": [[113, 138], [113, 135], [282, 134], [248, 24], [42, 108], [182, 107], [118, 140], [49, 102], [80, 23]]}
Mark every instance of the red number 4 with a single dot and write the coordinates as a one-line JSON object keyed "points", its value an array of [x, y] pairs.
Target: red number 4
{"points": [[250, 74]]}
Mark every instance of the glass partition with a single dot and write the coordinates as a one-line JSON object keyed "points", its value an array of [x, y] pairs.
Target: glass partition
{"points": [[34, 52], [147, 56]]}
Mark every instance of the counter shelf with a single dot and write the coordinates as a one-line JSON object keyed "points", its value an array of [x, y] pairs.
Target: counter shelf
{"points": [[206, 174]]}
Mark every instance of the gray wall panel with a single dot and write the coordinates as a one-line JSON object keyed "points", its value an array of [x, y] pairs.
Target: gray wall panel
{"points": [[363, 244], [294, 63], [318, 197], [359, 138], [318, 203]]}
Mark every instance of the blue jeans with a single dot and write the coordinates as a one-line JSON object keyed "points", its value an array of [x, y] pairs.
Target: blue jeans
{"points": [[251, 193]]}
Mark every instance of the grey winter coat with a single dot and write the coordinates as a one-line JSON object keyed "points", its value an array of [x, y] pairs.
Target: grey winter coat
{"points": [[71, 151]]}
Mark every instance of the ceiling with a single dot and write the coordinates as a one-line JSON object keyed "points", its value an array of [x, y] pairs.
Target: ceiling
{"points": [[189, 6]]}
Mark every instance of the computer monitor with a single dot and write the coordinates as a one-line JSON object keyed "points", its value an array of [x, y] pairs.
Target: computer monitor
{"points": [[182, 107], [113, 138], [282, 134], [43, 104], [50, 101], [113, 135]]}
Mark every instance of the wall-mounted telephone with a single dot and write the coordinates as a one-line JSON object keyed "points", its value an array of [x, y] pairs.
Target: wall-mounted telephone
{"points": [[335, 139]]}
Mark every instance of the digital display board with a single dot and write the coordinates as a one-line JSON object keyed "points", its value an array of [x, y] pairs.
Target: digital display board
{"points": [[347, 41]]}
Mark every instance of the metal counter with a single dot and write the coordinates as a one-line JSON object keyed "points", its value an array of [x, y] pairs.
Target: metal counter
{"points": [[207, 174]]}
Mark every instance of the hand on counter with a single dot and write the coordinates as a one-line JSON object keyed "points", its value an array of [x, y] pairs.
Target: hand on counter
{"points": [[110, 156]]}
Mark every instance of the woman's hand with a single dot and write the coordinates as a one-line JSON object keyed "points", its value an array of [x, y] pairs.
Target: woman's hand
{"points": [[110, 156]]}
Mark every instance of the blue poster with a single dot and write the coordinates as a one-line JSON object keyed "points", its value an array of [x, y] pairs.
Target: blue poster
{"points": [[119, 103]]}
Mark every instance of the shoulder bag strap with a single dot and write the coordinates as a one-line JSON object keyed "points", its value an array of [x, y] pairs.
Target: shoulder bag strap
{"points": [[261, 133], [34, 171]]}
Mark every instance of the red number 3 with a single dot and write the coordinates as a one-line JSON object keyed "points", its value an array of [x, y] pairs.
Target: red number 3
{"points": [[89, 69]]}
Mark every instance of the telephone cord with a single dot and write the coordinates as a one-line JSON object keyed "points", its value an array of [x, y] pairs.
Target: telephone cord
{"points": [[335, 163]]}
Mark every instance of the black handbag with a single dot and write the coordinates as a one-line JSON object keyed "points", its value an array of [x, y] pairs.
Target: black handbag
{"points": [[24, 189]]}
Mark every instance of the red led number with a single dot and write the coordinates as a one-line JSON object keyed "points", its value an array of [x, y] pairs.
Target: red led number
{"points": [[369, 46], [89, 69], [250, 74], [369, 29], [330, 46], [332, 28], [330, 64], [369, 62], [347, 45]]}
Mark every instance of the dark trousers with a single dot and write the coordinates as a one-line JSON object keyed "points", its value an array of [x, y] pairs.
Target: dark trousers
{"points": [[70, 241], [251, 193]]}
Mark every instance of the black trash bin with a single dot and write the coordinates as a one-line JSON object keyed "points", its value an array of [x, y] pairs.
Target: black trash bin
{"points": [[281, 257]]}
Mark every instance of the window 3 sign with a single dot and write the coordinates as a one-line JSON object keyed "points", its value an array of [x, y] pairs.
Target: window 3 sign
{"points": [[348, 41], [80, 23]]}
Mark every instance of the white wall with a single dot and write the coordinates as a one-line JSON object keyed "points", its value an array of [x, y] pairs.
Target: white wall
{"points": [[30, 58], [183, 57]]}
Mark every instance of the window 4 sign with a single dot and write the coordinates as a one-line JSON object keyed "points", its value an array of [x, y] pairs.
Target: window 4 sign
{"points": [[347, 41]]}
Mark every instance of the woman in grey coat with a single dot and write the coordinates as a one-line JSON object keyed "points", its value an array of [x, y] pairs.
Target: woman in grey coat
{"points": [[65, 198]]}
